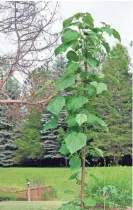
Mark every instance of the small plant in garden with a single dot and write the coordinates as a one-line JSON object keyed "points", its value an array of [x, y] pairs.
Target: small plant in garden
{"points": [[77, 90]]}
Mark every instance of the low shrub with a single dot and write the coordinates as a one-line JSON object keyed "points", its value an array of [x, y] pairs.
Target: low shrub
{"points": [[47, 194], [117, 192]]}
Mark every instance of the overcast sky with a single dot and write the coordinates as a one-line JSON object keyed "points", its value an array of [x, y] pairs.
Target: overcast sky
{"points": [[116, 13], [119, 14]]}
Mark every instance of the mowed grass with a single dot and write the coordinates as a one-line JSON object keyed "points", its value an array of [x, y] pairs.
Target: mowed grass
{"points": [[15, 178], [34, 205]]}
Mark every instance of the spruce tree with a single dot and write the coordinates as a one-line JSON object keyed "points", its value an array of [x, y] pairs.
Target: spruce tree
{"points": [[8, 129]]}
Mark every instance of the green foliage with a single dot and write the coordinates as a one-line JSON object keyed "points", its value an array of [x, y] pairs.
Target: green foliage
{"points": [[63, 150], [100, 87], [86, 43], [72, 56], [56, 105], [117, 193], [116, 107], [89, 202], [76, 102], [81, 118], [51, 124], [75, 141], [46, 85], [69, 35], [75, 162], [7, 196], [29, 144], [65, 83]]}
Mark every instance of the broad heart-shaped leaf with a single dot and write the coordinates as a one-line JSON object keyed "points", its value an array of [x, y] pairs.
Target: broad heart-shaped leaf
{"points": [[75, 162], [116, 35], [76, 102], [43, 87], [71, 121], [64, 83], [100, 152], [89, 202], [87, 18], [108, 30], [67, 22], [71, 68], [92, 62], [75, 141], [69, 35], [93, 119], [56, 105], [61, 48], [63, 150], [73, 176], [53, 123], [100, 87], [81, 118], [72, 56]]}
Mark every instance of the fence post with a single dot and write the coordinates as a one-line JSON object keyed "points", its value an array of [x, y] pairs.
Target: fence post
{"points": [[28, 185]]}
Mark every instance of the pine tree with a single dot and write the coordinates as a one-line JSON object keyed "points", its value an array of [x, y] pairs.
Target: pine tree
{"points": [[117, 142]]}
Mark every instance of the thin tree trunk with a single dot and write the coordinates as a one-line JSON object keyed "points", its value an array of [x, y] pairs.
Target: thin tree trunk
{"points": [[83, 155], [83, 177], [65, 162]]}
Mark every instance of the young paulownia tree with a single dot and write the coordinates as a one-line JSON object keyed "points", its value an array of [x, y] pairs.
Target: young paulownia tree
{"points": [[79, 86]]}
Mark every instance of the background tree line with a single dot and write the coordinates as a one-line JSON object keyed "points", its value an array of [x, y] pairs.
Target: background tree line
{"points": [[29, 142]]}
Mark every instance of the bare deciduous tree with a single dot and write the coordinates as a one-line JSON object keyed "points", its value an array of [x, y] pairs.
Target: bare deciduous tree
{"points": [[29, 27]]}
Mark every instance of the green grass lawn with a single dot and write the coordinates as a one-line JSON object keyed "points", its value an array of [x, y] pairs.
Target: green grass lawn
{"points": [[15, 178], [20, 205]]}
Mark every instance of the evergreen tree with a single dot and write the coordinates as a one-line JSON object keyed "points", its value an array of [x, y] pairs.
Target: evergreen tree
{"points": [[117, 142], [51, 138], [8, 129], [29, 143]]}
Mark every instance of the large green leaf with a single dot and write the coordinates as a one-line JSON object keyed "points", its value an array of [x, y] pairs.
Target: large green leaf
{"points": [[53, 123], [71, 121], [92, 62], [63, 150], [46, 85], [93, 119], [91, 91], [67, 22], [75, 162], [108, 30], [69, 35], [81, 118], [61, 48], [72, 56], [87, 18], [75, 103], [56, 105], [100, 87], [75, 141], [89, 202], [116, 35], [64, 83], [71, 68]]}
